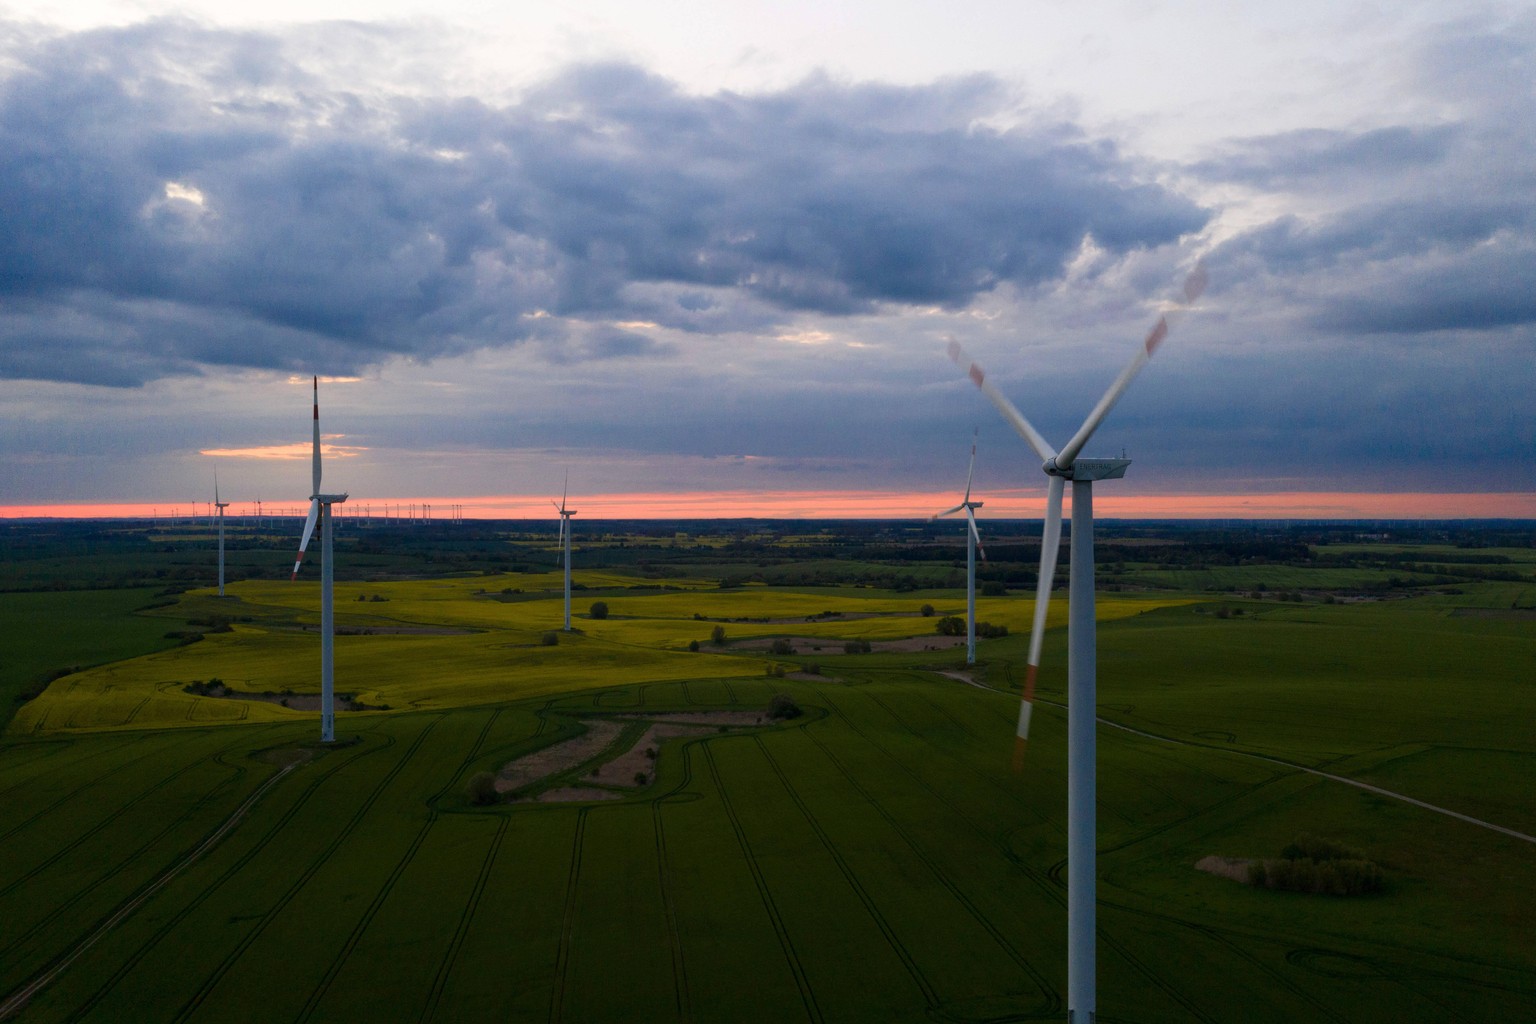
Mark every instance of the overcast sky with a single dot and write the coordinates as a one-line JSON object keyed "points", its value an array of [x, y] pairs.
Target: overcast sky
{"points": [[691, 247]]}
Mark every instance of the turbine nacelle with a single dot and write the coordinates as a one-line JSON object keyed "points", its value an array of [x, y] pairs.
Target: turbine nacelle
{"points": [[1088, 469]]}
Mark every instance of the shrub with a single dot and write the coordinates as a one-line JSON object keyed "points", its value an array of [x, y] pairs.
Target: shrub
{"points": [[926, 611], [987, 631], [599, 610], [640, 778], [992, 588], [856, 647], [717, 635], [812, 669], [951, 625], [482, 789], [1310, 847], [550, 638], [783, 706], [693, 645], [781, 646]]}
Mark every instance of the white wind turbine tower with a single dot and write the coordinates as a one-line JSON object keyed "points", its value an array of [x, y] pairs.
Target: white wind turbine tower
{"points": [[1082, 784], [320, 507], [219, 507], [972, 545], [565, 546]]}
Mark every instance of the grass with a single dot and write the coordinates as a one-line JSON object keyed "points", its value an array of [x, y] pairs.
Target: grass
{"points": [[874, 861], [45, 634]]}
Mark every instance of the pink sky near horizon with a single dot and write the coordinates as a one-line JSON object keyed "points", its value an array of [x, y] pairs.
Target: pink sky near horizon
{"points": [[869, 504]]}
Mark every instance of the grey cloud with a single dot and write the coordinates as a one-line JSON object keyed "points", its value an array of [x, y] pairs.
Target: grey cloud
{"points": [[1292, 159], [196, 197], [1414, 228]]}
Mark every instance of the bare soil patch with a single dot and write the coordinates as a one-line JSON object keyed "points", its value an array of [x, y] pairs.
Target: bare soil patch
{"points": [[630, 768], [290, 700], [826, 647], [560, 757], [1235, 868]]}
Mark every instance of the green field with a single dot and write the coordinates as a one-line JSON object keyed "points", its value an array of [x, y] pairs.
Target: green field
{"points": [[872, 860]]}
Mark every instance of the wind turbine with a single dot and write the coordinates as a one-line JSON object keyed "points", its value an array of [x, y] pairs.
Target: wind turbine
{"points": [[320, 508], [565, 545], [1061, 466], [220, 506], [972, 545]]}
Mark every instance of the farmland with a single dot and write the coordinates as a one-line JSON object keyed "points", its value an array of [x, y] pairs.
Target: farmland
{"points": [[178, 857]]}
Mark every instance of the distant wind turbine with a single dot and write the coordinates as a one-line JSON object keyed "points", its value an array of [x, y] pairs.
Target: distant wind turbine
{"points": [[565, 545], [220, 506], [972, 545], [320, 508], [1082, 699]]}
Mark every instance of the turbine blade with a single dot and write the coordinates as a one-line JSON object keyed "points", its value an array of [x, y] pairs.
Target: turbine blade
{"points": [[1194, 284], [1050, 544], [315, 471], [971, 473], [946, 512], [975, 533], [309, 531], [215, 486], [1025, 429]]}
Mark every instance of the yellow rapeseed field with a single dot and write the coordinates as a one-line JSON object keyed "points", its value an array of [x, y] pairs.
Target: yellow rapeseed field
{"points": [[463, 642]]}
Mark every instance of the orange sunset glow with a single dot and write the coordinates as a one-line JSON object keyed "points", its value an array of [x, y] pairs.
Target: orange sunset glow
{"points": [[821, 504]]}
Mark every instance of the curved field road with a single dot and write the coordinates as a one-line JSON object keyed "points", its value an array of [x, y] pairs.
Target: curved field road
{"points": [[21, 996], [1480, 823]]}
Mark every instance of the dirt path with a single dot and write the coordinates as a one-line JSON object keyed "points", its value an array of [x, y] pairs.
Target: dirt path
{"points": [[1479, 822]]}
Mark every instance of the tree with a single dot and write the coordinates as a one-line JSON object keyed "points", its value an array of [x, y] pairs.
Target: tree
{"points": [[926, 611], [482, 789], [783, 706], [599, 610], [950, 625], [717, 635]]}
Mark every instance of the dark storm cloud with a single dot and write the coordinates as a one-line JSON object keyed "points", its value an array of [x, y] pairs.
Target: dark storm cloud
{"points": [[173, 196]]}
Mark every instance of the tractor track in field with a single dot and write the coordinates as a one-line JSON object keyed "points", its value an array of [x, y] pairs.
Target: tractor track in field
{"points": [[1048, 887], [382, 895], [410, 854], [17, 1000], [340, 959], [100, 780], [132, 961], [1053, 998], [118, 868], [466, 918], [1293, 766], [302, 879], [1057, 869], [568, 920], [40, 750], [669, 910], [991, 782], [930, 995], [118, 813], [140, 706], [807, 996], [1320, 1009]]}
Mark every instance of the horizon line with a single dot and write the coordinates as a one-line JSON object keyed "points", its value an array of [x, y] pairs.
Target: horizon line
{"points": [[847, 504]]}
